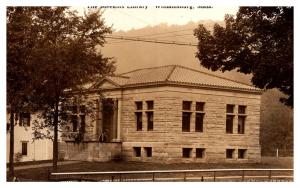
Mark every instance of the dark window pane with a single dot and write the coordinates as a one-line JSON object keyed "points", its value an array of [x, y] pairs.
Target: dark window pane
{"points": [[199, 122], [229, 124], [149, 121], [25, 119], [82, 123], [186, 116], [199, 106], [139, 121], [241, 153], [229, 153], [74, 122], [82, 109], [74, 109], [242, 109], [137, 151], [139, 105], [186, 105], [241, 124], [150, 105], [200, 152], [24, 148], [186, 152], [230, 108], [148, 151]]}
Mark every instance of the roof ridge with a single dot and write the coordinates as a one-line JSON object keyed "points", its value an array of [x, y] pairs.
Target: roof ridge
{"points": [[147, 68], [214, 75], [171, 72]]}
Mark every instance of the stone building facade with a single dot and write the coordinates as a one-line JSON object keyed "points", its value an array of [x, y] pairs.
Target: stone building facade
{"points": [[171, 114]]}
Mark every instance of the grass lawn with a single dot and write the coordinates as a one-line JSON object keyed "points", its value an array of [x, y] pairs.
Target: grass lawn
{"points": [[41, 174]]}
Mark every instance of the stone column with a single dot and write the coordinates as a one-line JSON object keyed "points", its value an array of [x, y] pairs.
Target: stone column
{"points": [[99, 123], [114, 120], [119, 120]]}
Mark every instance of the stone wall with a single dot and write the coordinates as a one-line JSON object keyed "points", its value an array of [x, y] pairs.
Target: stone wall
{"points": [[167, 138], [90, 151]]}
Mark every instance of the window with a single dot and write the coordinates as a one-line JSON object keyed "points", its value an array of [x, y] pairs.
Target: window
{"points": [[149, 112], [149, 121], [199, 116], [242, 109], [24, 148], [137, 151], [74, 122], [229, 124], [200, 152], [200, 106], [186, 105], [148, 151], [241, 124], [25, 119], [82, 122], [199, 122], [229, 118], [186, 152], [229, 153], [139, 121], [229, 108], [242, 153], [241, 119], [82, 109], [150, 105], [139, 105], [186, 117], [73, 109]]}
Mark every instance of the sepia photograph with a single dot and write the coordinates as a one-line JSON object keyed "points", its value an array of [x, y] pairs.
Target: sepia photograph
{"points": [[166, 93]]}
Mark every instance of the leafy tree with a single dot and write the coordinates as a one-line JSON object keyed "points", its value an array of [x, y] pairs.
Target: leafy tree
{"points": [[20, 40], [258, 41], [64, 57]]}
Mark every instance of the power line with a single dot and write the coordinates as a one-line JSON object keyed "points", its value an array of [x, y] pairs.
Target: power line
{"points": [[191, 29], [163, 33], [151, 40], [168, 36]]}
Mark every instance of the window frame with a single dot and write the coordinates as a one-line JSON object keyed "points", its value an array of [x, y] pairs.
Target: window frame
{"points": [[139, 124], [150, 124], [202, 151], [24, 150], [148, 111], [233, 108], [197, 112], [138, 105], [243, 115], [137, 151], [232, 124], [184, 152], [244, 153], [148, 150], [186, 127], [232, 151], [24, 123]]}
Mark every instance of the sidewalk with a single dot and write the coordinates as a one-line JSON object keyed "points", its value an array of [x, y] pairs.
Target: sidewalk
{"points": [[43, 165]]}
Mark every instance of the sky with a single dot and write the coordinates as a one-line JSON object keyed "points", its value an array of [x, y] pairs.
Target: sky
{"points": [[126, 18]]}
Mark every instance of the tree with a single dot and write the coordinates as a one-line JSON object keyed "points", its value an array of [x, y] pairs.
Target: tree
{"points": [[20, 39], [64, 57], [258, 41]]}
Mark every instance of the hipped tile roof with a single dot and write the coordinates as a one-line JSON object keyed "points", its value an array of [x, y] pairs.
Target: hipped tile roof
{"points": [[179, 75]]}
